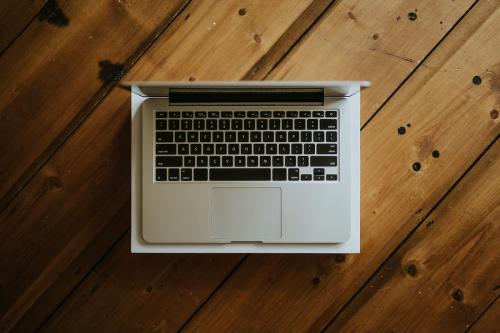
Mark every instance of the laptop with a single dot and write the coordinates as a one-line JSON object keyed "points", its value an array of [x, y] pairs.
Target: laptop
{"points": [[248, 162]]}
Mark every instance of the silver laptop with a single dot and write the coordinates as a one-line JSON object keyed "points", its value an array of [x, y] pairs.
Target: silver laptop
{"points": [[260, 162]]}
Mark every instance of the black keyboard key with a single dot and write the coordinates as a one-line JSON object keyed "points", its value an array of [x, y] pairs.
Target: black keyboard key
{"points": [[213, 114], [195, 149], [239, 114], [290, 161], [318, 114], [323, 161], [199, 124], [331, 177], [297, 148], [205, 137], [319, 177], [306, 136], [236, 124], [318, 171], [239, 161], [164, 137], [186, 174], [258, 148], [246, 149], [173, 124], [214, 161], [240, 174], [165, 149], [309, 149], [280, 136], [168, 161], [218, 136], [277, 161], [211, 124], [234, 149], [183, 149], [279, 174], [187, 124], [265, 161], [319, 136], [300, 124], [293, 136], [284, 148], [293, 174], [330, 124], [161, 114], [174, 114], [200, 174], [189, 161], [303, 161], [226, 114], [208, 149], [227, 161], [192, 136], [331, 136], [252, 161], [230, 136], [249, 124], [278, 114], [224, 124], [200, 114], [221, 148], [268, 137], [274, 124], [331, 114], [305, 114], [243, 136], [327, 149], [271, 149], [292, 114], [265, 114], [252, 114], [180, 136], [255, 136], [187, 114], [312, 124], [161, 175], [287, 124], [161, 125], [173, 174], [306, 177], [202, 161], [262, 124]]}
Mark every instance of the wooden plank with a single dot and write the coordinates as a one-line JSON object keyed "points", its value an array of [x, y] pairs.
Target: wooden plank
{"points": [[86, 181], [444, 276], [441, 103], [488, 323], [75, 64], [15, 15]]}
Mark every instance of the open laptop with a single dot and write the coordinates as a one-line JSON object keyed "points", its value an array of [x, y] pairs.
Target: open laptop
{"points": [[257, 162]]}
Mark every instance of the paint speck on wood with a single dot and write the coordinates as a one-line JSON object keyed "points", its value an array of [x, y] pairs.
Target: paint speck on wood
{"points": [[458, 295], [351, 15], [53, 14], [375, 36], [477, 80], [436, 153], [316, 281], [416, 166], [401, 130], [242, 12], [188, 15], [257, 38], [493, 114], [430, 223], [110, 72], [191, 78], [412, 270], [412, 16]]}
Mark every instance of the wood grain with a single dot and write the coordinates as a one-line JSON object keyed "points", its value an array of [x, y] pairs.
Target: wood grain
{"points": [[445, 274], [15, 15], [71, 212], [440, 102], [489, 322], [48, 94]]}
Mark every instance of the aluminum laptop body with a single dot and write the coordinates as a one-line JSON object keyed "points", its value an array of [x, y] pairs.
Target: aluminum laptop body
{"points": [[187, 192]]}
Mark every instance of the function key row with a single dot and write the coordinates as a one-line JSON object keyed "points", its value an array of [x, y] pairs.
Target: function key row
{"points": [[246, 114]]}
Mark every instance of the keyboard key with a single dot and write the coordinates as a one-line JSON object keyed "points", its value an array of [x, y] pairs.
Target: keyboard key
{"points": [[277, 161], [305, 177], [187, 114], [200, 114], [213, 114], [284, 148], [200, 174], [318, 171], [195, 149], [328, 124], [214, 161], [292, 114], [186, 124], [305, 114], [306, 136], [255, 136], [161, 125], [312, 124], [293, 174], [221, 148], [173, 124], [319, 177], [303, 161], [287, 124], [327, 149], [218, 136], [208, 149], [258, 148], [234, 149], [331, 136], [180, 136], [252, 114], [300, 124], [246, 149], [265, 114], [274, 124], [224, 124], [199, 124], [331, 114], [290, 161], [243, 136], [205, 137], [168, 161], [174, 114], [173, 174], [240, 174], [226, 114], [271, 148], [323, 161], [249, 124], [161, 114], [239, 114], [297, 148], [279, 174], [183, 149], [227, 161], [211, 124], [189, 161], [268, 137], [186, 174], [236, 124], [262, 124], [280, 136], [239, 161], [201, 161], [252, 161], [309, 149], [192, 136], [293, 136], [230, 136], [331, 177], [319, 136], [278, 114], [265, 161], [165, 149], [161, 175], [318, 114], [164, 137]]}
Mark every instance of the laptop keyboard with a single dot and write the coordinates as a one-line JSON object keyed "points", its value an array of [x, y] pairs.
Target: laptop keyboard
{"points": [[246, 146]]}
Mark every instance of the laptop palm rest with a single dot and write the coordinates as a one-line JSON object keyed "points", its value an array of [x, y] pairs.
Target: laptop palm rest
{"points": [[246, 214]]}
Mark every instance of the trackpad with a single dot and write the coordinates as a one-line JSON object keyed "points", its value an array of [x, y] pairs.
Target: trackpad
{"points": [[246, 214]]}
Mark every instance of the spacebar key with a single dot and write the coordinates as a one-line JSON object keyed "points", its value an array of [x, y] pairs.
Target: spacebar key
{"points": [[240, 174]]}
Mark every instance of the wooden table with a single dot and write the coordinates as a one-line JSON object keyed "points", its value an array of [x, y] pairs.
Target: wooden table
{"points": [[430, 216]]}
